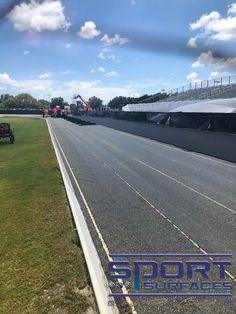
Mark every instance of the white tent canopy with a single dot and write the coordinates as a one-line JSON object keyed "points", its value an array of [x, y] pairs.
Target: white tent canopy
{"points": [[200, 106]]}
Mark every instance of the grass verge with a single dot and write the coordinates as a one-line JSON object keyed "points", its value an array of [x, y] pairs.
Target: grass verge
{"points": [[42, 269]]}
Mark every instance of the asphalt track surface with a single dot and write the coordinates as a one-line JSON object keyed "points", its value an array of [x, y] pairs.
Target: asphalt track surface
{"points": [[148, 197], [215, 144]]}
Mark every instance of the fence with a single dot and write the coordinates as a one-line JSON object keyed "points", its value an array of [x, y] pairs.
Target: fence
{"points": [[224, 87]]}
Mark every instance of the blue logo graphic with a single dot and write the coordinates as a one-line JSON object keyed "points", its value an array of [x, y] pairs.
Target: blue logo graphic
{"points": [[171, 275]]}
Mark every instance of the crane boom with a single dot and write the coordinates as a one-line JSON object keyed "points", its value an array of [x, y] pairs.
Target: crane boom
{"points": [[86, 104]]}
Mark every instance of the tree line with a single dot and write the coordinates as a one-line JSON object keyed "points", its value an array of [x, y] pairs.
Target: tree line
{"points": [[23, 101], [120, 101], [26, 101]]}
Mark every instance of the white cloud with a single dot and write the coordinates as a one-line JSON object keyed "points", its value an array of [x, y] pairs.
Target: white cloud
{"points": [[205, 20], [82, 85], [116, 40], [39, 16], [135, 95], [112, 57], [45, 75], [214, 74], [144, 84], [89, 31], [35, 85], [26, 52], [27, 86], [68, 46], [192, 43], [66, 72], [207, 59], [232, 8], [6, 80], [112, 74], [40, 88], [192, 77], [215, 27], [133, 2], [217, 74], [104, 54], [88, 89], [101, 69], [92, 71]]}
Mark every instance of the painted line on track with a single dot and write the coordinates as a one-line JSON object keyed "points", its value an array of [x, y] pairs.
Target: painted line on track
{"points": [[165, 217], [171, 146], [97, 275], [166, 175], [104, 245], [186, 186], [158, 211]]}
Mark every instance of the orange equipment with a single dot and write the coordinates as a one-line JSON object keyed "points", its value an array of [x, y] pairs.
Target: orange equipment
{"points": [[87, 106]]}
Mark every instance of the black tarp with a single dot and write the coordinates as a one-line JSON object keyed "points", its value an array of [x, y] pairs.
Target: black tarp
{"points": [[190, 120], [221, 122], [224, 122], [160, 118]]}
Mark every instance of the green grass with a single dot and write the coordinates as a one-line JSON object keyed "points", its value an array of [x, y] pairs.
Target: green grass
{"points": [[42, 269]]}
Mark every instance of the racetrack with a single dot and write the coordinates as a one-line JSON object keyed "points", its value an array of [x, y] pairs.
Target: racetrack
{"points": [[148, 197]]}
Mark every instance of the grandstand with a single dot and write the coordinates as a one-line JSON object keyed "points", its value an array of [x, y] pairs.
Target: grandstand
{"points": [[224, 87], [210, 105]]}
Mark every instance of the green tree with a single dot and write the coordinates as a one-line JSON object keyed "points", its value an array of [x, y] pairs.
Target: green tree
{"points": [[118, 102], [4, 97], [42, 103], [9, 102], [79, 104], [95, 102], [57, 101], [25, 101], [72, 107]]}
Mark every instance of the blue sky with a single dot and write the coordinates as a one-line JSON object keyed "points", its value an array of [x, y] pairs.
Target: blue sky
{"points": [[109, 48]]}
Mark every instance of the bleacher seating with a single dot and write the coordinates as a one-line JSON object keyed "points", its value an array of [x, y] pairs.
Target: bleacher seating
{"points": [[210, 89]]}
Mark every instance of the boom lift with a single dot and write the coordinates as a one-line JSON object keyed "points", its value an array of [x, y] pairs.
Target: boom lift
{"points": [[87, 106]]}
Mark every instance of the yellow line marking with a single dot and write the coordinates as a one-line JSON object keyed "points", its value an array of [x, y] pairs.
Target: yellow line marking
{"points": [[156, 209], [104, 245]]}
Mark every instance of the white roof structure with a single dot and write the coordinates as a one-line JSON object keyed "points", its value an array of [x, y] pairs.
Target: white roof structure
{"points": [[198, 106]]}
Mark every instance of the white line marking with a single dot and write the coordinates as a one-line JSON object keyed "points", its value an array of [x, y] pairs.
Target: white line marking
{"points": [[97, 275], [164, 216], [167, 176], [188, 187], [169, 146], [159, 212], [104, 245]]}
